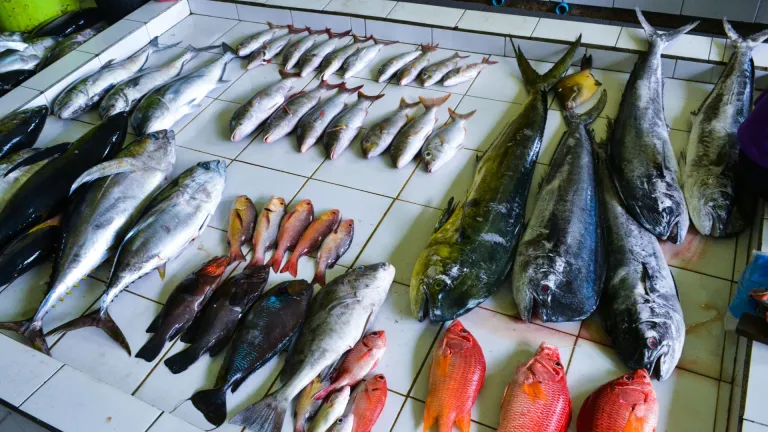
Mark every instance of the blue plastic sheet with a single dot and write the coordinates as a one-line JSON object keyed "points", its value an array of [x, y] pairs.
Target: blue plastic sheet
{"points": [[755, 276]]}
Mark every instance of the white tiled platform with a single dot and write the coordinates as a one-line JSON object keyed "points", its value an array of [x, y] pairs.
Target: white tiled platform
{"points": [[394, 211]]}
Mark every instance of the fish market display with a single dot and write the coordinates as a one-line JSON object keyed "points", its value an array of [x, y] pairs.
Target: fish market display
{"points": [[17, 167], [126, 95], [293, 51], [284, 120], [265, 234], [360, 360], [443, 145], [186, 300], [291, 229], [265, 331], [575, 89], [471, 249], [69, 23], [253, 113], [30, 57], [559, 264], [432, 74], [85, 93], [13, 41], [343, 424], [717, 206], [167, 104], [378, 138], [306, 405], [337, 318], [242, 219], [456, 375], [174, 218], [250, 44], [357, 61], [69, 44], [20, 129], [311, 59], [466, 73], [641, 309], [333, 248], [411, 71], [390, 68], [643, 162], [367, 402], [330, 410], [12, 79], [29, 250], [270, 49], [311, 127], [345, 127], [627, 403], [536, 398], [412, 136], [214, 327], [333, 61], [312, 238]]}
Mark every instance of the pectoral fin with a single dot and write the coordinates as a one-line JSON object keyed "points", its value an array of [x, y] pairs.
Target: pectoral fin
{"points": [[161, 271], [108, 168]]}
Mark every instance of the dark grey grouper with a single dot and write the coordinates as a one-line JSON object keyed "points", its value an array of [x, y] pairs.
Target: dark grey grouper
{"points": [[558, 270], [645, 169]]}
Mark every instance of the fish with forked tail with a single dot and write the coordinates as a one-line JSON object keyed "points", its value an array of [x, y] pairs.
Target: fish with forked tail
{"points": [[412, 136], [433, 73], [378, 137], [311, 239], [312, 58], [285, 119], [293, 51], [251, 43], [311, 127], [271, 48], [411, 71], [306, 405], [333, 248], [345, 127], [291, 229], [257, 109], [357, 61], [360, 360], [367, 402], [463, 74], [393, 65], [242, 219], [333, 61], [443, 145]]}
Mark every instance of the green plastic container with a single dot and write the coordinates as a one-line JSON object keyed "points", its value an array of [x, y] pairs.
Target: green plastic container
{"points": [[24, 15]]}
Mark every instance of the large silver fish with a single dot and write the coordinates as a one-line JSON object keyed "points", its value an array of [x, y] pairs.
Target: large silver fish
{"points": [[379, 136], [174, 218], [333, 61], [12, 41], [69, 44], [465, 73], [311, 59], [293, 51], [345, 127], [337, 319], [125, 96], [443, 145], [645, 169], [28, 58], [412, 136], [257, 109], [167, 104], [311, 127], [271, 48], [393, 65], [357, 61], [85, 93], [558, 268], [250, 44], [411, 71], [284, 120], [433, 73], [717, 206]]}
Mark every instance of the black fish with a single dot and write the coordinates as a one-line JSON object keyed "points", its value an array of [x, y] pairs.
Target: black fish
{"points": [[265, 331], [12, 79], [21, 129], [67, 24], [29, 250], [213, 328]]}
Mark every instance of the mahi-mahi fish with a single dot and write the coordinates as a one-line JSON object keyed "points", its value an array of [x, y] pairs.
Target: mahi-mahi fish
{"points": [[717, 205], [558, 269], [472, 246], [645, 168]]}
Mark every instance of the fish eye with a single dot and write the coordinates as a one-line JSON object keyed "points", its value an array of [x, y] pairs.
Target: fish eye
{"points": [[340, 420], [464, 331], [427, 154], [380, 377], [558, 364], [374, 333], [653, 343], [205, 165], [360, 268], [628, 378]]}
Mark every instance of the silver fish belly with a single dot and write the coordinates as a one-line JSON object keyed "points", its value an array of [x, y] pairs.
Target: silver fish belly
{"points": [[390, 68], [254, 112]]}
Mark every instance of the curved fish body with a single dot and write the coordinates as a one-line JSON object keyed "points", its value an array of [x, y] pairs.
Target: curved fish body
{"points": [[443, 145], [463, 74], [336, 320], [312, 238], [20, 129], [174, 218], [393, 65], [29, 250], [717, 206], [330, 410], [311, 59], [18, 60], [16, 168], [267, 226], [433, 73], [85, 93], [345, 127], [266, 329], [242, 220], [333, 61], [410, 139], [293, 51], [311, 127], [270, 49], [471, 250], [292, 227], [645, 168], [345, 423], [284, 120], [357, 362], [640, 305], [260, 107], [306, 405], [165, 105], [69, 23], [333, 248], [125, 96], [367, 402], [408, 73], [559, 264], [625, 404], [250, 44], [378, 138], [357, 61], [69, 44]]}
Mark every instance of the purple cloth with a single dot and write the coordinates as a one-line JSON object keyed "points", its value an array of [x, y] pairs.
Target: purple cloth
{"points": [[753, 133]]}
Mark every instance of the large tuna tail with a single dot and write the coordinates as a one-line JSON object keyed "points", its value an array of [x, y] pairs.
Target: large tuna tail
{"points": [[30, 329], [266, 415], [212, 403], [659, 38], [535, 81], [96, 319], [591, 114], [749, 43]]}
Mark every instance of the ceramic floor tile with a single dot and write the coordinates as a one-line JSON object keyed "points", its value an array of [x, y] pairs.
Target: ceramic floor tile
{"points": [[125, 47], [723, 407], [426, 14], [72, 400], [241, 31], [374, 8], [503, 82], [729, 349], [337, 23], [504, 302], [403, 221], [185, 158], [686, 400], [389, 414], [111, 36], [515, 25], [410, 419], [59, 82], [680, 99], [209, 132], [284, 155], [19, 423], [198, 30], [181, 124], [440, 55], [369, 87], [434, 189], [758, 373], [302, 4], [386, 106], [365, 208], [263, 15], [169, 423], [549, 52], [702, 254], [491, 118], [150, 11], [160, 24], [742, 253], [256, 80], [564, 30], [17, 98], [371, 70], [749, 426], [467, 41], [398, 32], [58, 131], [213, 8], [22, 371], [593, 330]]}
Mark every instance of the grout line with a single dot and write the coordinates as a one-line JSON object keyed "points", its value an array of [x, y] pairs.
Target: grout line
{"points": [[39, 387], [91, 305], [160, 414], [152, 370]]}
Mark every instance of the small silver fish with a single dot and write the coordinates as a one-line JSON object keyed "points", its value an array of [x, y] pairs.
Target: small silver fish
{"points": [[411, 138], [310, 128], [390, 68], [12, 41], [465, 73], [378, 138], [354, 63], [432, 74], [311, 59], [265, 53], [252, 114], [447, 141], [411, 71], [345, 127], [295, 50], [250, 44], [331, 410], [333, 61], [343, 424], [284, 120]]}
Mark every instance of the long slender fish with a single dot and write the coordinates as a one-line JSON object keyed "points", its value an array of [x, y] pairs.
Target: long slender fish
{"points": [[644, 165], [270, 49], [284, 120], [433, 73], [717, 205], [174, 218], [443, 145], [311, 127], [379, 136], [640, 305], [559, 264], [165, 105], [293, 51], [311, 59], [69, 44], [30, 57], [411, 71], [345, 127], [357, 61], [337, 318], [472, 248], [267, 226], [85, 93], [333, 61], [260, 107], [393, 65], [251, 43], [412, 136], [465, 73], [20, 129]]}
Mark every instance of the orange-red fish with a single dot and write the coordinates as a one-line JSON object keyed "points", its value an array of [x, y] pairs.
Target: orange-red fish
{"points": [[265, 234], [626, 404], [291, 229], [367, 402], [333, 248], [316, 232], [456, 375], [361, 359], [242, 218], [537, 399]]}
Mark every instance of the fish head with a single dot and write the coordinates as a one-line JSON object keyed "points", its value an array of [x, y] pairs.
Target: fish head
{"points": [[341, 396], [657, 343], [440, 287], [370, 283], [204, 181], [242, 203], [115, 102], [376, 382], [714, 209], [343, 424], [634, 388], [435, 155], [215, 267], [156, 149], [370, 142], [330, 215], [305, 206], [456, 339], [375, 339], [152, 114], [663, 212], [546, 366], [71, 103], [275, 204]]}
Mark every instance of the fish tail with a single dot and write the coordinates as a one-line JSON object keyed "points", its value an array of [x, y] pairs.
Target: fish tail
{"points": [[97, 319], [319, 276], [325, 392], [382, 42], [155, 44], [276, 261], [429, 48], [459, 56], [333, 35], [591, 114], [181, 361], [535, 81], [434, 102], [266, 415], [229, 52], [456, 116], [30, 329], [324, 84], [285, 74], [360, 39], [430, 416], [294, 30], [750, 43], [349, 90], [586, 62], [373, 98], [292, 266], [662, 38], [212, 403], [236, 254], [404, 104], [152, 348], [486, 60]]}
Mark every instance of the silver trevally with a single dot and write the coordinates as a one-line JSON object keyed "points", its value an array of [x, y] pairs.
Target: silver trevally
{"points": [[311, 59], [293, 51], [411, 71], [443, 145], [379, 136], [271, 48], [250, 44], [257, 109], [412, 136], [357, 61], [284, 120], [311, 127], [433, 73], [333, 61], [465, 73], [393, 65], [345, 127]]}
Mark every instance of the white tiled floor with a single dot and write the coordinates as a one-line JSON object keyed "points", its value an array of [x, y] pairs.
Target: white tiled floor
{"points": [[395, 212]]}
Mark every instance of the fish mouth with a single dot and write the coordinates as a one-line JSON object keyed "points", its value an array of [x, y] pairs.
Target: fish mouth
{"points": [[655, 366]]}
